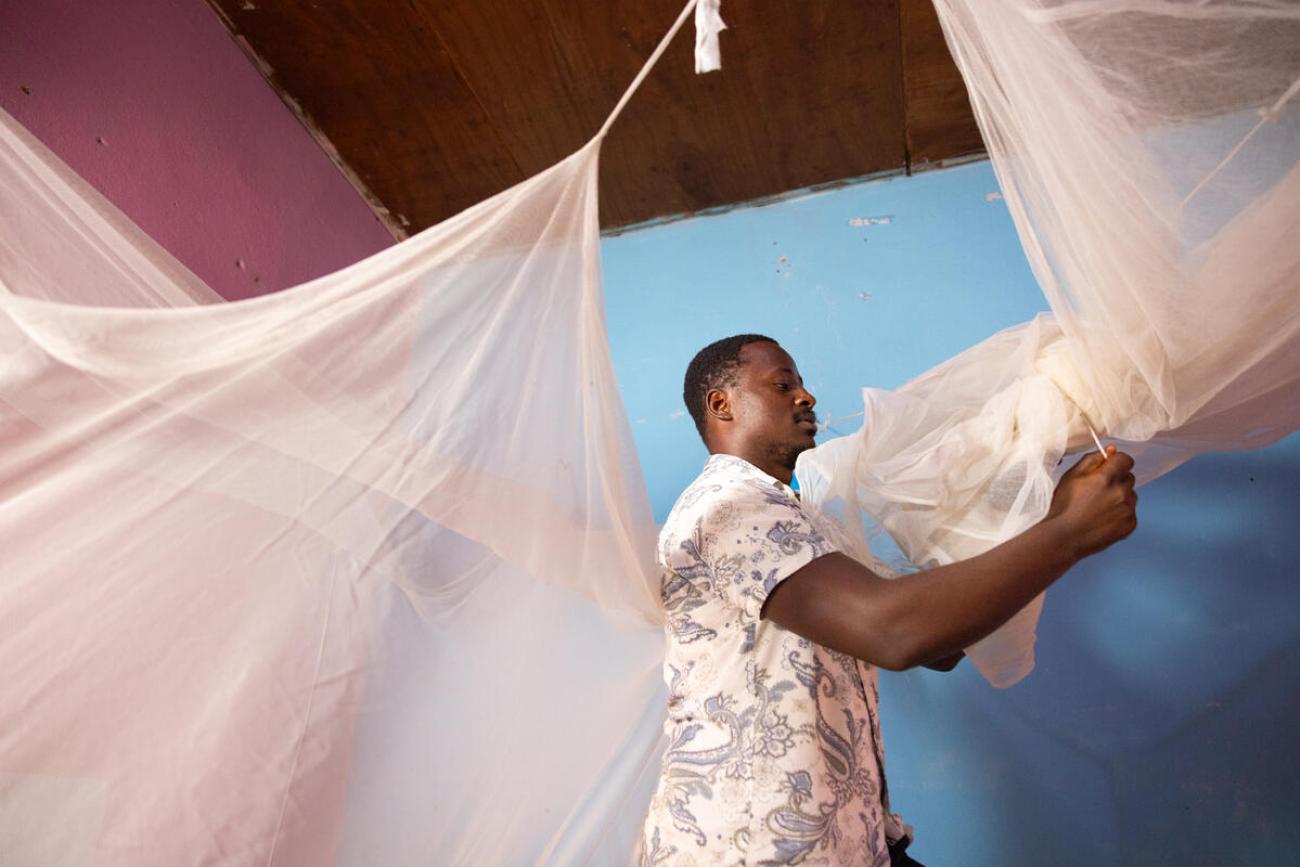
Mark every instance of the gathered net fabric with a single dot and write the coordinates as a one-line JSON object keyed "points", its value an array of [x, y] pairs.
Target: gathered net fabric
{"points": [[1147, 151], [361, 572]]}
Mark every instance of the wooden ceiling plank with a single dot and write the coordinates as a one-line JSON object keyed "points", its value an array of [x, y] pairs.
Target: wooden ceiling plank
{"points": [[507, 53], [939, 122]]}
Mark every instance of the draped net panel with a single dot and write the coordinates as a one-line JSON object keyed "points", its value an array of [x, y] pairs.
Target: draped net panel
{"points": [[357, 570], [361, 572], [1147, 152]]}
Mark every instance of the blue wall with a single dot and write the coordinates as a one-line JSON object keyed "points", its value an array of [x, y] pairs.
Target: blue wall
{"points": [[1161, 724]]}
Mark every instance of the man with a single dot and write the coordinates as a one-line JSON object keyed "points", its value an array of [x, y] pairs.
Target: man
{"points": [[774, 637]]}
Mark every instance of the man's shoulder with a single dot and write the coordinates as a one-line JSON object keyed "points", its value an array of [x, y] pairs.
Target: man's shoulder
{"points": [[724, 486]]}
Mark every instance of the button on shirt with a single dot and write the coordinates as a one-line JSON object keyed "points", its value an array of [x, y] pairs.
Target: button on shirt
{"points": [[774, 750]]}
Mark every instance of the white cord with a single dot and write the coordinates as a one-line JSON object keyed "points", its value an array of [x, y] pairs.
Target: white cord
{"points": [[1266, 115], [645, 70]]}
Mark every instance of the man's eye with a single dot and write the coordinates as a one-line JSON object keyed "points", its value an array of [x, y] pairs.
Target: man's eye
{"points": [[783, 386]]}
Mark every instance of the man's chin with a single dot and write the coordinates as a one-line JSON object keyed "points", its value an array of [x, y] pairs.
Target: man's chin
{"points": [[797, 449]]}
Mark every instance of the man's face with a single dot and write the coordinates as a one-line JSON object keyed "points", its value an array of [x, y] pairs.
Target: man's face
{"points": [[770, 404]]}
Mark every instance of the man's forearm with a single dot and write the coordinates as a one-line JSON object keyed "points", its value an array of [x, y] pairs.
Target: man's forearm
{"points": [[928, 616], [936, 613], [923, 618]]}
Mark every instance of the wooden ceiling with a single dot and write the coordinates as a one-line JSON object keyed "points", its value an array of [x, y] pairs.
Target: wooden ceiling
{"points": [[434, 105]]}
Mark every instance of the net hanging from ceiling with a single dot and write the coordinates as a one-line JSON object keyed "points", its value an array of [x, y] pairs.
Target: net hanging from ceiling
{"points": [[272, 594]]}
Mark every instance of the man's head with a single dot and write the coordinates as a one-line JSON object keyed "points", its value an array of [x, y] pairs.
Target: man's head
{"points": [[747, 399]]}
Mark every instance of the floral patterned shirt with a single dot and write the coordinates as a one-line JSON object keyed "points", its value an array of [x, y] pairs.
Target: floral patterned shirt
{"points": [[774, 750]]}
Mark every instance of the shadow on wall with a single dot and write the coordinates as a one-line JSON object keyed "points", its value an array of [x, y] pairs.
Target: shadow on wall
{"points": [[1160, 725]]}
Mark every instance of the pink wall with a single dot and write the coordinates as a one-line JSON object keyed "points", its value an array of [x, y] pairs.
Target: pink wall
{"points": [[153, 103]]}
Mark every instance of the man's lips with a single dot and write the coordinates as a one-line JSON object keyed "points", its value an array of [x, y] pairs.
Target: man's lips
{"points": [[809, 420]]}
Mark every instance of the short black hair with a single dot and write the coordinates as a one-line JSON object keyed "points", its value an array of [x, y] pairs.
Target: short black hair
{"points": [[714, 366]]}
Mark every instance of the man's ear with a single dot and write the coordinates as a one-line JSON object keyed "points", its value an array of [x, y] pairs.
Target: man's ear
{"points": [[718, 404]]}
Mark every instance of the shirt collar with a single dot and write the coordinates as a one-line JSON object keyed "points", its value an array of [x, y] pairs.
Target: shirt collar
{"points": [[744, 467]]}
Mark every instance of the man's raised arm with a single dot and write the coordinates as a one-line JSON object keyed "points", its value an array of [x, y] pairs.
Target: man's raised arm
{"points": [[928, 617]]}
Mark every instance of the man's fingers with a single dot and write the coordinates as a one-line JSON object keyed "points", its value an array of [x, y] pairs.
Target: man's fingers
{"points": [[1119, 465], [1086, 464], [1116, 464]]}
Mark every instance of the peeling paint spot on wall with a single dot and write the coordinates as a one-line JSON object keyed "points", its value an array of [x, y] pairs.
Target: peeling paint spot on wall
{"points": [[99, 140], [884, 220], [784, 260], [993, 197], [248, 6], [27, 91], [865, 296]]}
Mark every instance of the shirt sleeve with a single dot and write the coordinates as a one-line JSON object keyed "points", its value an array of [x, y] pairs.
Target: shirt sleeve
{"points": [[745, 540]]}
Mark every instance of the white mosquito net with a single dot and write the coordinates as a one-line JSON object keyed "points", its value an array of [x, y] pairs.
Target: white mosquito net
{"points": [[1147, 151], [361, 572]]}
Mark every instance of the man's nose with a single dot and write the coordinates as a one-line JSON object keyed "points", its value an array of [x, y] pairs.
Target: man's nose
{"points": [[805, 398]]}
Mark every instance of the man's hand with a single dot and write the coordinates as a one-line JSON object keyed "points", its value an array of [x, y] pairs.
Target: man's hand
{"points": [[1095, 502]]}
